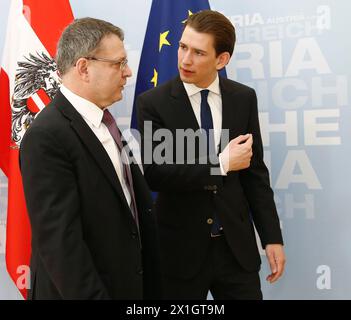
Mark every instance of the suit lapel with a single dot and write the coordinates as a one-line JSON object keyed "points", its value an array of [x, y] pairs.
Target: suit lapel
{"points": [[92, 143], [227, 105], [228, 110], [183, 108], [185, 114]]}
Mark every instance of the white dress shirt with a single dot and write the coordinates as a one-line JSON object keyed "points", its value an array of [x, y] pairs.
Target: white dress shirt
{"points": [[214, 100], [92, 115]]}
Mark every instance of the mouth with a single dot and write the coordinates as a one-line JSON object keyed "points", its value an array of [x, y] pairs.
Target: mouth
{"points": [[186, 72]]}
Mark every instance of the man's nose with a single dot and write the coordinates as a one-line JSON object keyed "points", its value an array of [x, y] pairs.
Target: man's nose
{"points": [[127, 72], [187, 58]]}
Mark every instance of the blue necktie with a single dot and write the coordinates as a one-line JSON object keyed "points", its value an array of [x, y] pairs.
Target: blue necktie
{"points": [[207, 125], [206, 120]]}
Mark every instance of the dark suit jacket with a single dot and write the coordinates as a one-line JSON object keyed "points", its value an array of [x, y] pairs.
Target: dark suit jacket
{"points": [[85, 243], [189, 195]]}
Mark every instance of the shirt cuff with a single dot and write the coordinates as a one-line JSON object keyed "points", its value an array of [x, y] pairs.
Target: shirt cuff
{"points": [[223, 163]]}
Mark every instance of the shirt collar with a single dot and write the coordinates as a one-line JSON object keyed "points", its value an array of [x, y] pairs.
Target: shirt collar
{"points": [[192, 89], [86, 108]]}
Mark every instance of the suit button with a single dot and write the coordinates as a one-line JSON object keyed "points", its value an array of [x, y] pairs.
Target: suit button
{"points": [[209, 221], [140, 272], [134, 235]]}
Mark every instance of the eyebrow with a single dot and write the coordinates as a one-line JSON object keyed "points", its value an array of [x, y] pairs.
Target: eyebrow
{"points": [[121, 58], [195, 49]]}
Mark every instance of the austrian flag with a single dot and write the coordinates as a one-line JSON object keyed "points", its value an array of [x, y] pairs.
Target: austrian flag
{"points": [[28, 81]]}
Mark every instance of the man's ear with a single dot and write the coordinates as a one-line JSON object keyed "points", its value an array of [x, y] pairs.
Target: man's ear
{"points": [[222, 60], [82, 69]]}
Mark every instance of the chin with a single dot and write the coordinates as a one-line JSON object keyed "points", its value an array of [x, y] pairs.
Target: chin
{"points": [[186, 79], [117, 98]]}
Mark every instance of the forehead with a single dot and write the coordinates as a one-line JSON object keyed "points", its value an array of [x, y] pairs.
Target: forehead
{"points": [[112, 44], [197, 40]]}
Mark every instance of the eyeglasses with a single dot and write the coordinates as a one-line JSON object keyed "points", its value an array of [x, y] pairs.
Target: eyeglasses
{"points": [[122, 62]]}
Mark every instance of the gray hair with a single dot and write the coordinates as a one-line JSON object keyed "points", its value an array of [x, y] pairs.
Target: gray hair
{"points": [[81, 38]]}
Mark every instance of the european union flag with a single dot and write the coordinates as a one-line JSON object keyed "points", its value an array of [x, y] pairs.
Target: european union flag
{"points": [[158, 61]]}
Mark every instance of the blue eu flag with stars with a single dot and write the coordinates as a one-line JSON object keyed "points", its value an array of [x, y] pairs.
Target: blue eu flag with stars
{"points": [[158, 62]]}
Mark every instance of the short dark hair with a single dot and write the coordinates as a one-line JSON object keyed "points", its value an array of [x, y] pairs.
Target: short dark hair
{"points": [[80, 38], [216, 24]]}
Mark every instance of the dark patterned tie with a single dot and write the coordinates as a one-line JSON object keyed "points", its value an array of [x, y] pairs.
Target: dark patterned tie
{"points": [[111, 125], [206, 120], [207, 125]]}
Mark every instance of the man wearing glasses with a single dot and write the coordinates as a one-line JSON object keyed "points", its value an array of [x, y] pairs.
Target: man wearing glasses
{"points": [[93, 234]]}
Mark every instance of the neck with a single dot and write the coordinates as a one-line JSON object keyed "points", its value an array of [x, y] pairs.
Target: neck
{"points": [[206, 84], [80, 89]]}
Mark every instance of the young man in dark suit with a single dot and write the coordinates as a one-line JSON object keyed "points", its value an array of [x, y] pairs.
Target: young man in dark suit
{"points": [[93, 233], [206, 209]]}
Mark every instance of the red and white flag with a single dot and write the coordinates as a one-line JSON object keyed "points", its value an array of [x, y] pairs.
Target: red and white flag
{"points": [[28, 81]]}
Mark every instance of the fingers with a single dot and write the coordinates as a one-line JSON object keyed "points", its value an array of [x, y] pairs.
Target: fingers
{"points": [[275, 275], [241, 138], [239, 152], [246, 148], [276, 260], [249, 141], [273, 264]]}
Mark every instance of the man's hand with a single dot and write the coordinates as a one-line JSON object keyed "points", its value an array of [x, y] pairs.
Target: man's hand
{"points": [[276, 258], [237, 154]]}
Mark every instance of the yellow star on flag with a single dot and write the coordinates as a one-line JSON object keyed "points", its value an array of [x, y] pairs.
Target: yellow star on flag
{"points": [[155, 78], [189, 14], [163, 40]]}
